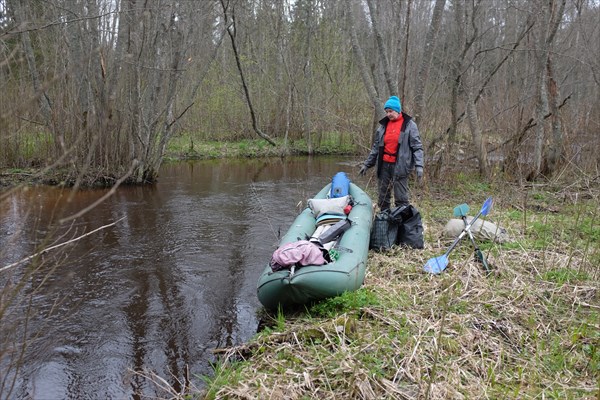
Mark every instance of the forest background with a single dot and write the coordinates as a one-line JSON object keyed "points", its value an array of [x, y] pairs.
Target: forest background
{"points": [[99, 88]]}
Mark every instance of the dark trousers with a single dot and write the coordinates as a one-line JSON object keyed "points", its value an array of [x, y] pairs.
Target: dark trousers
{"points": [[389, 182]]}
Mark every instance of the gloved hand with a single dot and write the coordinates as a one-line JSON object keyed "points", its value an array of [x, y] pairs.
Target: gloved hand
{"points": [[363, 170], [419, 171]]}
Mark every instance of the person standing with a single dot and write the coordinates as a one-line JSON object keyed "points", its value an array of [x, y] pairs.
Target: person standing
{"points": [[397, 150]]}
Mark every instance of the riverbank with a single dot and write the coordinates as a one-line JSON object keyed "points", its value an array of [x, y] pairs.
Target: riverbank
{"points": [[180, 148], [528, 330], [186, 147]]}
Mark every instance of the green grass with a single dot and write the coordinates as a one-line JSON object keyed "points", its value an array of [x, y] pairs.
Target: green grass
{"points": [[346, 302], [224, 374], [196, 146], [468, 183], [561, 276], [28, 149]]}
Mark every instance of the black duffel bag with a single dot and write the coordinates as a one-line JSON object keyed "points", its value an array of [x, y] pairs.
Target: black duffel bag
{"points": [[410, 226]]}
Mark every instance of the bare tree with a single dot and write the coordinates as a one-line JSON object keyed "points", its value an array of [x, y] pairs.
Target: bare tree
{"points": [[360, 60], [555, 150], [549, 17], [23, 29], [475, 126], [392, 85], [407, 42], [307, 69], [99, 84], [426, 57], [229, 16]]}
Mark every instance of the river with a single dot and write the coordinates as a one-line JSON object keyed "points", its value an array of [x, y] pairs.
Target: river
{"points": [[171, 280]]}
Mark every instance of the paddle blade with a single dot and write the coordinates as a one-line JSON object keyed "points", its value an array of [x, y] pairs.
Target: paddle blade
{"points": [[480, 258], [461, 211], [436, 265], [487, 206]]}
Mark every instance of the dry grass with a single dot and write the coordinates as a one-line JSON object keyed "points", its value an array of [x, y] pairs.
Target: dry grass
{"points": [[528, 331]]}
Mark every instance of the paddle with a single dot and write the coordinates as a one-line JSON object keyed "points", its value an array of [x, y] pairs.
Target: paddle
{"points": [[438, 264], [462, 211]]}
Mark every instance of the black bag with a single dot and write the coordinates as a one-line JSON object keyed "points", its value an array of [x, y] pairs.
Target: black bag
{"points": [[383, 232], [410, 227], [402, 213]]}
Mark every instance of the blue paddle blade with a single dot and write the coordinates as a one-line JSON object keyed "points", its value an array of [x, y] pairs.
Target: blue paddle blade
{"points": [[487, 206], [436, 265]]}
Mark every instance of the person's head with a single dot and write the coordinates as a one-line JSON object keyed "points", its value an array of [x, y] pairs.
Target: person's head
{"points": [[392, 108]]}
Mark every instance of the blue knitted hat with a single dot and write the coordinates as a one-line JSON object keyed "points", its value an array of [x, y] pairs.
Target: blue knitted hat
{"points": [[393, 103]]}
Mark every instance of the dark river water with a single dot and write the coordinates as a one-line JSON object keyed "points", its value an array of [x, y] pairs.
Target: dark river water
{"points": [[156, 292]]}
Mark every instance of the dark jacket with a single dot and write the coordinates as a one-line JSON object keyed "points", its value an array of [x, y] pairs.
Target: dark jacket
{"points": [[410, 148]]}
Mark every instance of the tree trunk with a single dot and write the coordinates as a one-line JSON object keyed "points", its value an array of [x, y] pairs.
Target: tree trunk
{"points": [[456, 75], [556, 148], [474, 126], [457, 67], [361, 63], [402, 88], [307, 71], [383, 54], [551, 16], [427, 56], [541, 109]]}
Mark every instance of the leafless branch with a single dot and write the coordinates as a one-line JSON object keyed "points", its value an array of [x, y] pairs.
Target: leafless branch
{"points": [[39, 253]]}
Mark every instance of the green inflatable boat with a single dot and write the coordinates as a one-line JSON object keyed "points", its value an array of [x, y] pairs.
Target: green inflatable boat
{"points": [[302, 284]]}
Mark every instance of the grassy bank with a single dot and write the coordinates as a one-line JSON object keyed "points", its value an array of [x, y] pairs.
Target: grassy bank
{"points": [[190, 147], [530, 330], [182, 147]]}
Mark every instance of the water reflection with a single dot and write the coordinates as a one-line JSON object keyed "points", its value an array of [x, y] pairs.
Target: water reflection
{"points": [[158, 291]]}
